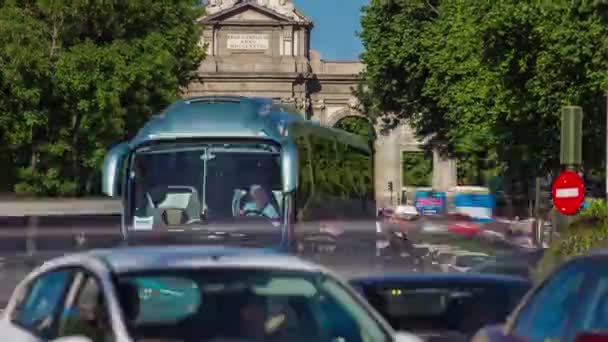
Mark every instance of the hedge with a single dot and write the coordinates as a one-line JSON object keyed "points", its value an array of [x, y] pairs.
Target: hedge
{"points": [[588, 231]]}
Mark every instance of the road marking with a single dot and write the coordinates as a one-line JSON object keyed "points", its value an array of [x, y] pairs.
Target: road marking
{"points": [[567, 192]]}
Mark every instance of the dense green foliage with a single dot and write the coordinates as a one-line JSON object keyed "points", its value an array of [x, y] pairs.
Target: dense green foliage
{"points": [[588, 231], [357, 125], [336, 179], [485, 81], [79, 76], [417, 169]]}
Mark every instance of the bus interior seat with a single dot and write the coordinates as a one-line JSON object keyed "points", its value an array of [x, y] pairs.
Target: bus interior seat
{"points": [[237, 201], [193, 207], [179, 205], [152, 211]]}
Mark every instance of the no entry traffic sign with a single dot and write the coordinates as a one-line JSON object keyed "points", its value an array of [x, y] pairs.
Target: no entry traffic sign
{"points": [[568, 192]]}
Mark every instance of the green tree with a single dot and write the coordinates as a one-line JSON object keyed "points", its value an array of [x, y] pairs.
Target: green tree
{"points": [[357, 165], [486, 80], [357, 125], [588, 231], [78, 76], [417, 169]]}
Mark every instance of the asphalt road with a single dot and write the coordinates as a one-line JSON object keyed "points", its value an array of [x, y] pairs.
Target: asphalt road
{"points": [[13, 271], [59, 235]]}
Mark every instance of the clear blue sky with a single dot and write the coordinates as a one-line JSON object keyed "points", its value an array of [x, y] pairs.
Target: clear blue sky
{"points": [[336, 22]]}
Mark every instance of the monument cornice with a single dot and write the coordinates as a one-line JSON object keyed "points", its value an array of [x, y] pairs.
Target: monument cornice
{"points": [[346, 78], [257, 23], [337, 77], [254, 75]]}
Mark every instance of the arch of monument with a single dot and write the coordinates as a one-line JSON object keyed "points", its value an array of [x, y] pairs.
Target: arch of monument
{"points": [[262, 48]]}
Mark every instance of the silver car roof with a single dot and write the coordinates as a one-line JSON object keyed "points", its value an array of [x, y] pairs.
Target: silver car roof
{"points": [[137, 259]]}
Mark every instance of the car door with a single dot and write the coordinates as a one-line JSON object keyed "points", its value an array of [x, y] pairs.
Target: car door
{"points": [[86, 311], [550, 310], [593, 306], [35, 315]]}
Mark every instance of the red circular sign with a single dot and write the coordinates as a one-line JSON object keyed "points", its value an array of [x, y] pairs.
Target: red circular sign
{"points": [[568, 192]]}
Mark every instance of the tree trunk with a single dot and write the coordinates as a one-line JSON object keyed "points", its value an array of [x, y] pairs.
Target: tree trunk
{"points": [[76, 120]]}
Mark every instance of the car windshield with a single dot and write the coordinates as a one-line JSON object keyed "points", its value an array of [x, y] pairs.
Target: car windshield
{"points": [[441, 307], [181, 185], [470, 260], [220, 304]]}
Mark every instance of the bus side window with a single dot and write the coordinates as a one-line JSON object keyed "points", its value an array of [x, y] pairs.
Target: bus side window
{"points": [[327, 175], [305, 177], [360, 188]]}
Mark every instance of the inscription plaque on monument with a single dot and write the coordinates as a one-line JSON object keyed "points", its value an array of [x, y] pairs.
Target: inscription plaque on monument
{"points": [[247, 41]]}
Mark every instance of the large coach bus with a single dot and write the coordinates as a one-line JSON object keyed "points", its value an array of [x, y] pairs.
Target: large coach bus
{"points": [[227, 169]]}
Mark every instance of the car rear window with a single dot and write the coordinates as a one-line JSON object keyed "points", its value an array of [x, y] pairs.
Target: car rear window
{"points": [[194, 304], [165, 299], [444, 307]]}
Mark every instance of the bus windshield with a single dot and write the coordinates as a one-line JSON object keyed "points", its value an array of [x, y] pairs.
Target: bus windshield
{"points": [[192, 184]]}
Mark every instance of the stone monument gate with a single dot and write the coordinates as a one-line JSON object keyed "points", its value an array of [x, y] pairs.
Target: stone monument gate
{"points": [[262, 48]]}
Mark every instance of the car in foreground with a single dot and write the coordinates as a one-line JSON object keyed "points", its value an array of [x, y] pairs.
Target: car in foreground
{"points": [[442, 307], [462, 262], [515, 264], [184, 293], [511, 267], [571, 304]]}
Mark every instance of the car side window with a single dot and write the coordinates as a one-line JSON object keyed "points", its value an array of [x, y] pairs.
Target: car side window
{"points": [[88, 314], [594, 307], [547, 312], [344, 319], [38, 311]]}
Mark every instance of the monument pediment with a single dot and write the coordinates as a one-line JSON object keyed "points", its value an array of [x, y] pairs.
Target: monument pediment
{"points": [[273, 11], [248, 36]]}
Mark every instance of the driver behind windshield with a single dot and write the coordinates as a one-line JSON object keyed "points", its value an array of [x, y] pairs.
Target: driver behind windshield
{"points": [[260, 205]]}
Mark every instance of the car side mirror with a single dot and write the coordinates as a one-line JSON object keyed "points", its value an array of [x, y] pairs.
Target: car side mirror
{"points": [[592, 336], [73, 339], [402, 336]]}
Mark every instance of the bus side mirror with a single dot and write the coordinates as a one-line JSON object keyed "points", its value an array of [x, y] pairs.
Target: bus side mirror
{"points": [[289, 167], [111, 173]]}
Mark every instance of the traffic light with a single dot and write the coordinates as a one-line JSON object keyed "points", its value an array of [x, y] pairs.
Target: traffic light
{"points": [[390, 186]]}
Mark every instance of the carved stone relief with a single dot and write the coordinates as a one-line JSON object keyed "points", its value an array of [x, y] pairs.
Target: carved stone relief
{"points": [[284, 7]]}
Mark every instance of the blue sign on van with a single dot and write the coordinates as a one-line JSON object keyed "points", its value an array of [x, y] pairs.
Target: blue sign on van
{"points": [[480, 207], [428, 202]]}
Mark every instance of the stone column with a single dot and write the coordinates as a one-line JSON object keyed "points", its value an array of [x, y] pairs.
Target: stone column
{"points": [[318, 111], [209, 37], [387, 168], [444, 172], [287, 42]]}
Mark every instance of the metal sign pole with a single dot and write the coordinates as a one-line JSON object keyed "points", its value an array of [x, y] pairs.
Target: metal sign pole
{"points": [[570, 147]]}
